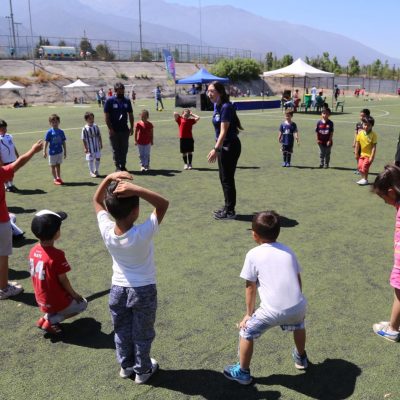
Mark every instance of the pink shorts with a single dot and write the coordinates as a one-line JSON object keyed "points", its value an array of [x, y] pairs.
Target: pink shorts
{"points": [[395, 278], [364, 164]]}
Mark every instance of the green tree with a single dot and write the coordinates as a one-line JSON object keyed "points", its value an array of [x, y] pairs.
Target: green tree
{"points": [[238, 69], [176, 55], [269, 61], [376, 68], [86, 46], [42, 42], [62, 43], [104, 53], [353, 67], [286, 60]]}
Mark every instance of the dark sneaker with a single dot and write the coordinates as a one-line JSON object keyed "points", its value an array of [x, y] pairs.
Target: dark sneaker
{"points": [[225, 214], [326, 166], [219, 210], [321, 165], [300, 362], [235, 373]]}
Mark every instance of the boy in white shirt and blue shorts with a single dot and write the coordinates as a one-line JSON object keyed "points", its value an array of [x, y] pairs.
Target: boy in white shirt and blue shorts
{"points": [[273, 268]]}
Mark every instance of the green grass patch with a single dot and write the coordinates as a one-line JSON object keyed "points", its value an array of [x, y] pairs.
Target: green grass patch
{"points": [[341, 233]]}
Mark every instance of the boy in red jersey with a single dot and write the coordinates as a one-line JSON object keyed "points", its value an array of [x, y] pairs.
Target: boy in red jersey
{"points": [[185, 123], [324, 132], [48, 265], [144, 139]]}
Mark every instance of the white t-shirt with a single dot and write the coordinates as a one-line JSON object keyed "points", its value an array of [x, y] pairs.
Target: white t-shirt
{"points": [[132, 253], [275, 268], [7, 149]]}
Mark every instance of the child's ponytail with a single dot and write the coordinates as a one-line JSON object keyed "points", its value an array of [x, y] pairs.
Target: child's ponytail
{"points": [[389, 178]]}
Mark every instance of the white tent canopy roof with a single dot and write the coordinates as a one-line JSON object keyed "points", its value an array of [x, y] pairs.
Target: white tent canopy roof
{"points": [[298, 69], [77, 84], [10, 85]]}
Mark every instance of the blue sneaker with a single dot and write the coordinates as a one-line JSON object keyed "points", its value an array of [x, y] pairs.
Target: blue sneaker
{"points": [[383, 329], [300, 362], [284, 164], [235, 373]]}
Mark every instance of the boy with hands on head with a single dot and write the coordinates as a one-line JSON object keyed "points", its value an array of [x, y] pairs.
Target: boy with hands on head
{"points": [[133, 294]]}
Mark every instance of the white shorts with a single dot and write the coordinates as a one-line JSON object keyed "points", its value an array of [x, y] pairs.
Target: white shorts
{"points": [[5, 239], [92, 156], [56, 159], [262, 320]]}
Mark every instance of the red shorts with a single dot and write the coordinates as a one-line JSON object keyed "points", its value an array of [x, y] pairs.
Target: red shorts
{"points": [[364, 164]]}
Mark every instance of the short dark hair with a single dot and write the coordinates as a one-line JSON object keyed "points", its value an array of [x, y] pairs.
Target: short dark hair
{"points": [[119, 85], [267, 225], [326, 110], [366, 112], [368, 120], [87, 115], [54, 117], [119, 207], [3, 124], [46, 226]]}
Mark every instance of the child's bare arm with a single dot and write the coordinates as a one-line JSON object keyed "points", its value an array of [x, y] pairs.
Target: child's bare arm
{"points": [[251, 292], [98, 198], [125, 189], [296, 136], [46, 145], [176, 115], [64, 281], [64, 145], [373, 152], [357, 150], [195, 117], [22, 160], [280, 137], [16, 152], [85, 147]]}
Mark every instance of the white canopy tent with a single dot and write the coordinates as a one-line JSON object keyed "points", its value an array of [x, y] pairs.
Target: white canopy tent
{"points": [[78, 84], [12, 86], [300, 69]]}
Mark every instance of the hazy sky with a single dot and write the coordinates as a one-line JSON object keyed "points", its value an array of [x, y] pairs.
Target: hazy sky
{"points": [[370, 22]]}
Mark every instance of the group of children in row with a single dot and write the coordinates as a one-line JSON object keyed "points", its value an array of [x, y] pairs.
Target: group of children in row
{"points": [[364, 144]]}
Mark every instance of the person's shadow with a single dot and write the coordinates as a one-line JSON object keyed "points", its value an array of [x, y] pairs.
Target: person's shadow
{"points": [[30, 191], [21, 210], [208, 384], [285, 221], [333, 379]]}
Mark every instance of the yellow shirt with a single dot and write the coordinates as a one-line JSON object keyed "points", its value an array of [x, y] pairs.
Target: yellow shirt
{"points": [[367, 142]]}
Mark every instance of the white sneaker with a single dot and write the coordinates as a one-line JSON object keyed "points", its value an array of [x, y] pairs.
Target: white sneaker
{"points": [[126, 372], [93, 175], [12, 289], [186, 166], [383, 330], [143, 378], [142, 169], [362, 182]]}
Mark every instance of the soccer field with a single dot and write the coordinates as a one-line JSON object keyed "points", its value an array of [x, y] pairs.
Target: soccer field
{"points": [[341, 233]]}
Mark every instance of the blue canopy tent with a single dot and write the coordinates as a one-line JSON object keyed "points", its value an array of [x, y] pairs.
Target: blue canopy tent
{"points": [[200, 100], [200, 77]]}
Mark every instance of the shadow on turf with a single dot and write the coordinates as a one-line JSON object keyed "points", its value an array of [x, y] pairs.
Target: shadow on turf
{"points": [[30, 191], [79, 184], [21, 210], [216, 169], [208, 384], [84, 332], [285, 221], [18, 275], [332, 379], [19, 242], [157, 172]]}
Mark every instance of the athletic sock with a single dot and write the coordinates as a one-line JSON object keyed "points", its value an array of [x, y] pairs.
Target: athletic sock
{"points": [[190, 158], [90, 164], [185, 159], [97, 163]]}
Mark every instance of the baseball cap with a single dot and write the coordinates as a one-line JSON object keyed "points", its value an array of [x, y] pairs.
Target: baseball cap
{"points": [[46, 223]]}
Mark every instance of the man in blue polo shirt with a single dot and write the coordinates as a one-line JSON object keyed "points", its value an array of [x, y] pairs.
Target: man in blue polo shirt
{"points": [[117, 109]]}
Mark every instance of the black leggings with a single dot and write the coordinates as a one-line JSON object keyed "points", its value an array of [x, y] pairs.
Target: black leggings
{"points": [[227, 161]]}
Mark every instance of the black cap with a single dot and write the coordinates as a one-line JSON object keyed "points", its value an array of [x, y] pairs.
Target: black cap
{"points": [[46, 223]]}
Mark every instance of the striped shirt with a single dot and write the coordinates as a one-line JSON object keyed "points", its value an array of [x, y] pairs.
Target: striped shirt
{"points": [[397, 239], [92, 137]]}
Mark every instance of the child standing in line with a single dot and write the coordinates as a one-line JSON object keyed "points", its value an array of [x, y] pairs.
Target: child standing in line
{"points": [[359, 126], [273, 268], [185, 123], [48, 266], [55, 141], [287, 133], [10, 288], [324, 132], [133, 295], [365, 149], [92, 144], [8, 152], [144, 139], [387, 186]]}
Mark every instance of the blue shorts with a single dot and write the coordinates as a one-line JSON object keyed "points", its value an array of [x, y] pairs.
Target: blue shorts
{"points": [[262, 320]]}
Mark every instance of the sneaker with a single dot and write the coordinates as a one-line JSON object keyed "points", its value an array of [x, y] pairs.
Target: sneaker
{"points": [[219, 210], [61, 181], [235, 373], [284, 164], [143, 378], [142, 169], [383, 329], [225, 214], [40, 322], [12, 289], [300, 362], [326, 166], [321, 165], [57, 182], [186, 166], [288, 164], [12, 189], [51, 329], [189, 166], [362, 182], [126, 372], [96, 173], [93, 175], [357, 172]]}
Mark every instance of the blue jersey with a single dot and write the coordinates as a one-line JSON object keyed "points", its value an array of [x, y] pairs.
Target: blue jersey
{"points": [[287, 131], [225, 113], [55, 138], [118, 109]]}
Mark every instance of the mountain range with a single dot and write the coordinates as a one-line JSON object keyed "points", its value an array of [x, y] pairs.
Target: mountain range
{"points": [[221, 26]]}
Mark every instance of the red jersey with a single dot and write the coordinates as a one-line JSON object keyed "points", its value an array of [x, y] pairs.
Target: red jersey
{"points": [[46, 263], [6, 174], [185, 127], [144, 132]]}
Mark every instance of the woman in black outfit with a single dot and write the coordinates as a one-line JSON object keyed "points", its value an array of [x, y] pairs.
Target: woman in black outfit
{"points": [[227, 147]]}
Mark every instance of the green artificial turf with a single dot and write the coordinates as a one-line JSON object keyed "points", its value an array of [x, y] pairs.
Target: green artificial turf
{"points": [[341, 233]]}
